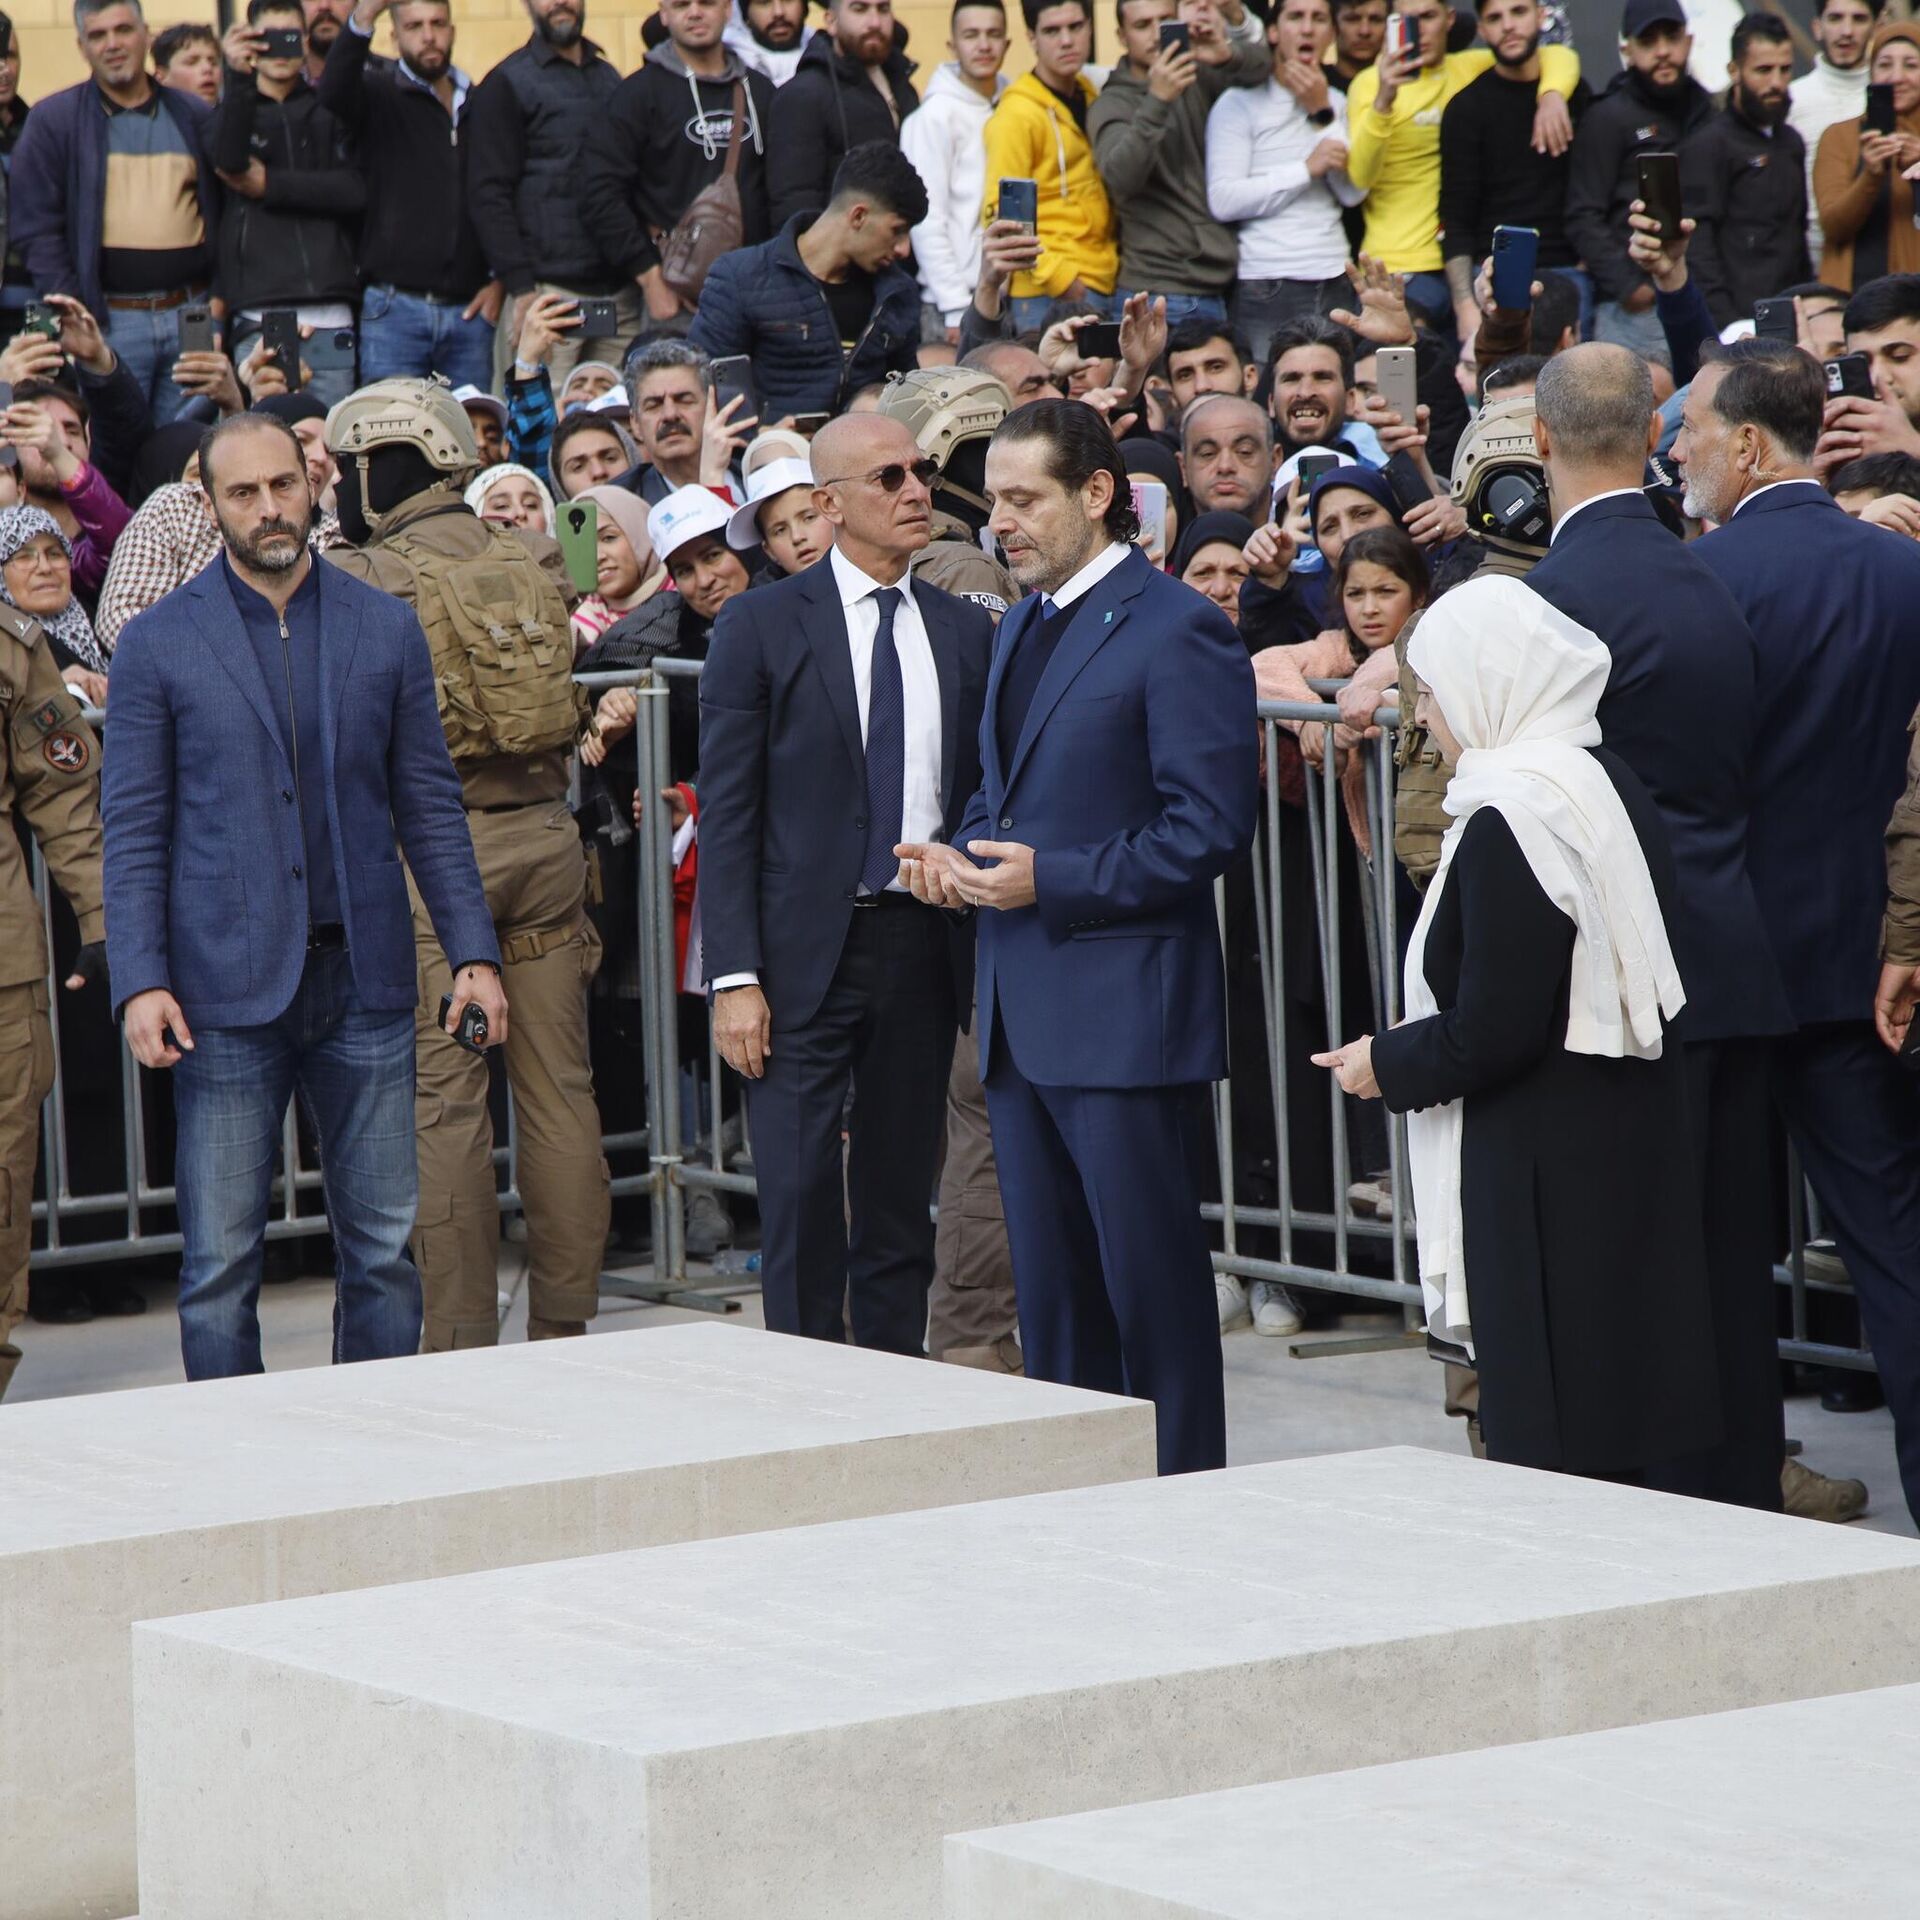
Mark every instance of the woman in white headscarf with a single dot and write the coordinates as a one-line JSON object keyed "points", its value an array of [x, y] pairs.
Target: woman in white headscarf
{"points": [[1557, 1204]]}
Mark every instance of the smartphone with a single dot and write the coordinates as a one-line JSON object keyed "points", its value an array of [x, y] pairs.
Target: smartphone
{"points": [[1403, 36], [9, 456], [1659, 180], [577, 524], [280, 335], [810, 423], [732, 378], [1515, 250], [472, 1030], [1150, 508], [196, 328], [1019, 200], [42, 319], [1310, 466], [1098, 341], [1396, 377], [282, 43], [599, 319], [1850, 377], [332, 350], [1880, 116], [1176, 33], [1775, 320]]}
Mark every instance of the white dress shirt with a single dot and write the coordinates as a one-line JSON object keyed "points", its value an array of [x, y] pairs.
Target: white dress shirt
{"points": [[921, 815], [1612, 493], [1089, 576]]}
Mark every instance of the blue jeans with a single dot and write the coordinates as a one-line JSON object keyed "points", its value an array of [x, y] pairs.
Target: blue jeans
{"points": [[329, 385], [1639, 333], [1030, 310], [148, 343], [1180, 306], [1431, 299], [1582, 279], [354, 1072], [406, 336]]}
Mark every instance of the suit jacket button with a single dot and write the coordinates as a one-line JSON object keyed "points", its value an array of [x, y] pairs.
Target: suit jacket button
{"points": [[286, 794], [1006, 820], [861, 824], [296, 873]]}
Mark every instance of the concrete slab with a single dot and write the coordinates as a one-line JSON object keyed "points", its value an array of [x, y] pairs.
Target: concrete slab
{"points": [[131, 1506], [790, 1724], [1798, 1812]]}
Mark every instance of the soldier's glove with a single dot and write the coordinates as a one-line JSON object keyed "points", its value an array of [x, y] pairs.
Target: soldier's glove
{"points": [[89, 965]]}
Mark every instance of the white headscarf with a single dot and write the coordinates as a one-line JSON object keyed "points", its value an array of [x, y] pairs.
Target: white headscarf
{"points": [[476, 494], [1519, 684]]}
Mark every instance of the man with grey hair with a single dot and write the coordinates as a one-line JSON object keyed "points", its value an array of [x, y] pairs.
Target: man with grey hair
{"points": [[685, 440], [114, 198], [1226, 455], [1682, 649]]}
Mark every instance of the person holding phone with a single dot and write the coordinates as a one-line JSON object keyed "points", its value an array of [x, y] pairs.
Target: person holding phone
{"points": [[289, 229], [1860, 184], [1149, 129], [1834, 90]]}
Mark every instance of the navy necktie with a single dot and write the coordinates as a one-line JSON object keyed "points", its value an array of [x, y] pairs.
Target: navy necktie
{"points": [[886, 752]]}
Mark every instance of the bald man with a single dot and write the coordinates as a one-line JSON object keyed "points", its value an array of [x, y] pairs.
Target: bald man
{"points": [[839, 717], [1226, 455]]}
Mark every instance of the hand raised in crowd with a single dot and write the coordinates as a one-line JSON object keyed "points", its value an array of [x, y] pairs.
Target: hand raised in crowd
{"points": [[1898, 512], [1396, 69], [1552, 126], [1306, 80], [614, 716], [723, 437], [262, 374], [478, 985], [547, 319], [31, 356], [28, 424], [80, 337], [241, 46], [1394, 434], [1854, 427], [1143, 336], [250, 185], [1434, 522], [1353, 1067], [1483, 288], [1270, 555], [1382, 316], [1879, 151], [1293, 513], [1664, 262], [1006, 248], [211, 376], [149, 1018], [1173, 71], [1059, 347], [743, 1030]]}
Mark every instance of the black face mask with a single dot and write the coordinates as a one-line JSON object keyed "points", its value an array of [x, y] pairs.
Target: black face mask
{"points": [[394, 475]]}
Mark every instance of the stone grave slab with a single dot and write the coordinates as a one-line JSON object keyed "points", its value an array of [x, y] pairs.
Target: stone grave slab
{"points": [[1798, 1812], [790, 1724], [129, 1506]]}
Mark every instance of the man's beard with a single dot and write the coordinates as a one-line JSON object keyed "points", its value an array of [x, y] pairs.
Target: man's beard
{"points": [[1763, 113], [560, 30], [251, 549], [430, 66], [795, 33], [323, 33], [1663, 96], [1532, 47]]}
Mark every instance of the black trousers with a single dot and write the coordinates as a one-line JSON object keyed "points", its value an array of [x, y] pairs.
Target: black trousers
{"points": [[1727, 1099], [886, 1030], [1110, 1262], [1855, 1117]]}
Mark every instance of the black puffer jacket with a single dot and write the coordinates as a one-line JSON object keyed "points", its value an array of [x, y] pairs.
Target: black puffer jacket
{"points": [[299, 242], [827, 108]]}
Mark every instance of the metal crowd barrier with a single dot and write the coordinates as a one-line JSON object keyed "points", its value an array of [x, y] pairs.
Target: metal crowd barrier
{"points": [[675, 1169]]}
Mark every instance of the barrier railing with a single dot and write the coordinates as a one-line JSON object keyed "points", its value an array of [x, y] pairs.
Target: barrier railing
{"points": [[675, 1167]]}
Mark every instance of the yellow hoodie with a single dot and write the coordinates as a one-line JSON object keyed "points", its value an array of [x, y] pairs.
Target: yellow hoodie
{"points": [[1031, 136]]}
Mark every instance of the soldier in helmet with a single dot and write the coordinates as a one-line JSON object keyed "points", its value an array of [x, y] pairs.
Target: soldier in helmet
{"points": [[971, 1317], [50, 776], [495, 614]]}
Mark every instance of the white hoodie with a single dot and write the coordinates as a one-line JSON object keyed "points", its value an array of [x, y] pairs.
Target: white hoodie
{"points": [[1822, 99], [945, 141], [778, 67]]}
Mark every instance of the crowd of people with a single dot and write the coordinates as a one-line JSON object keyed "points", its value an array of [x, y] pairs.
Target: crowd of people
{"points": [[1288, 343]]}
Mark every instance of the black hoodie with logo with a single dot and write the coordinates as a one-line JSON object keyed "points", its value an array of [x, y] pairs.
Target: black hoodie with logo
{"points": [[1629, 119], [661, 140]]}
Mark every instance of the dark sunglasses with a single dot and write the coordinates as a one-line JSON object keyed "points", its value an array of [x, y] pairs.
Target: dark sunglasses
{"points": [[890, 478]]}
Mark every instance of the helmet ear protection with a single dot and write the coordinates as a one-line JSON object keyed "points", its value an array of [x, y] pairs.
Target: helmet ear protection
{"points": [[1514, 506]]}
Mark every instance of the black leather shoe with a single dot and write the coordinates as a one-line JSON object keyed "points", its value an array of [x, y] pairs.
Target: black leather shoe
{"points": [[1847, 1391], [59, 1305], [116, 1299]]}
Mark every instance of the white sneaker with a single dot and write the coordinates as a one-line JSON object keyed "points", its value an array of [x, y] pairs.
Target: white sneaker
{"points": [[1274, 1309], [1232, 1299]]}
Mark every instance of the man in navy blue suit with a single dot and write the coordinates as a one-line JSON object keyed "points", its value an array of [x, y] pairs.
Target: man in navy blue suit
{"points": [[1680, 709], [1120, 779], [1832, 603], [274, 734], [839, 715]]}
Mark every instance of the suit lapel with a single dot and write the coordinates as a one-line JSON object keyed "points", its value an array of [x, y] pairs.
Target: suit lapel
{"points": [[225, 634], [1102, 612], [935, 616], [832, 650]]}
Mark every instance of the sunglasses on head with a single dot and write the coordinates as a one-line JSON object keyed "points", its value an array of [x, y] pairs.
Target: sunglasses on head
{"points": [[892, 477]]}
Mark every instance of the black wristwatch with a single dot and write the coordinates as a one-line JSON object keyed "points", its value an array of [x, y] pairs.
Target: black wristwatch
{"points": [[1324, 118]]}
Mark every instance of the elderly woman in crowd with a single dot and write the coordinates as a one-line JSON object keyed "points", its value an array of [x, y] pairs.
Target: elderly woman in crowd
{"points": [[36, 578], [1557, 1206], [510, 495], [1210, 557], [627, 570]]}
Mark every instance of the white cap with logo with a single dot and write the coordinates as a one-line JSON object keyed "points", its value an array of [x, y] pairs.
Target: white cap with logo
{"points": [[685, 514]]}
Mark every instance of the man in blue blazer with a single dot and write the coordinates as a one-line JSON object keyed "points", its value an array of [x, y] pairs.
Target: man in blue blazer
{"points": [[1832, 603], [839, 715], [1680, 709], [274, 736], [1120, 779]]}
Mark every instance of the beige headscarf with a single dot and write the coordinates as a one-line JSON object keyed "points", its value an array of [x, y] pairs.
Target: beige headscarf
{"points": [[628, 512]]}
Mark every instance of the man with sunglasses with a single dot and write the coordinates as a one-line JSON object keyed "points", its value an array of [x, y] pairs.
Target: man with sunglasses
{"points": [[839, 716]]}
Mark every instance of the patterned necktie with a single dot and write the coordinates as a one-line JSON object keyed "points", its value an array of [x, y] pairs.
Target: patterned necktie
{"points": [[886, 752]]}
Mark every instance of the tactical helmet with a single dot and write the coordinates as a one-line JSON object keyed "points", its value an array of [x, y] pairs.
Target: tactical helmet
{"points": [[1499, 479], [945, 408], [422, 414]]}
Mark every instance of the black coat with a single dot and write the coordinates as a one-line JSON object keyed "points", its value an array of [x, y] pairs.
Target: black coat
{"points": [[1681, 709], [1586, 1261], [826, 109], [1747, 192]]}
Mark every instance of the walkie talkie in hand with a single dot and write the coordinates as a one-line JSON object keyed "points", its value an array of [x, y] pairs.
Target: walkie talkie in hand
{"points": [[472, 1030]]}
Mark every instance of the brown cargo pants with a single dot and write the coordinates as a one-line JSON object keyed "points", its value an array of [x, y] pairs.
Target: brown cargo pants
{"points": [[971, 1316], [26, 1078], [533, 869]]}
